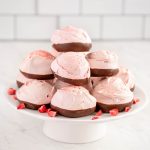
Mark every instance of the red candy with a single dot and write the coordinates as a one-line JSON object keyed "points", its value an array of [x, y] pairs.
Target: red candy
{"points": [[49, 109], [11, 91], [135, 100], [114, 112], [127, 109], [99, 113], [42, 109], [95, 117], [21, 106], [52, 113]]}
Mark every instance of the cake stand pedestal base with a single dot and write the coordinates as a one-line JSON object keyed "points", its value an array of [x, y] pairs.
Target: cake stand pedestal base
{"points": [[74, 132]]}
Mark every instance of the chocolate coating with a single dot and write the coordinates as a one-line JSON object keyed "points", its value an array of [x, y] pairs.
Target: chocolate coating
{"points": [[133, 88], [106, 108], [75, 47], [73, 81], [73, 113], [38, 77], [58, 85], [19, 84], [33, 106], [103, 72]]}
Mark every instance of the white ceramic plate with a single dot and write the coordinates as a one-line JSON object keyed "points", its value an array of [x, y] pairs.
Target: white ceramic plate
{"points": [[139, 93]]}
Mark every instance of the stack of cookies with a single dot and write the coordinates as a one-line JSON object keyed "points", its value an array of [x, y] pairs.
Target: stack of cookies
{"points": [[72, 80]]}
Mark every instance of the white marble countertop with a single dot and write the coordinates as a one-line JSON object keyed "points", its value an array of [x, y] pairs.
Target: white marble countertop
{"points": [[18, 131]]}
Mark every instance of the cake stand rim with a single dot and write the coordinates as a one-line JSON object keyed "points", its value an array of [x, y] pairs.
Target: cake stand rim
{"points": [[82, 119]]}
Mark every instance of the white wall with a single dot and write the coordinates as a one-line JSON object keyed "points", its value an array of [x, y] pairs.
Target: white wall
{"points": [[103, 19]]}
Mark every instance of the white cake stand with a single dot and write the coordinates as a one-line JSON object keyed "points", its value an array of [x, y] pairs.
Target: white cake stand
{"points": [[80, 130]]}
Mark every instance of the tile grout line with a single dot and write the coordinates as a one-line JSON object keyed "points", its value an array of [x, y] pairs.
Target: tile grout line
{"points": [[74, 15], [36, 7], [101, 27], [143, 27], [80, 7], [123, 8], [57, 22], [15, 27]]}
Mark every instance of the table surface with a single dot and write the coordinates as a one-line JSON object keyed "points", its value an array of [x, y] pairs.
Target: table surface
{"points": [[18, 131]]}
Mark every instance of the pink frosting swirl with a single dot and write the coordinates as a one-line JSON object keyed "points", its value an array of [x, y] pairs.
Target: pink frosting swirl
{"points": [[73, 98], [112, 91], [70, 34], [127, 77], [72, 65], [37, 62], [103, 59], [36, 92]]}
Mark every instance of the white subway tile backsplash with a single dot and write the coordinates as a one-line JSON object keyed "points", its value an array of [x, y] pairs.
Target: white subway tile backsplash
{"points": [[35, 27], [17, 6], [122, 27], [90, 24], [102, 19], [102, 6], [58, 6], [147, 28], [6, 27], [137, 6]]}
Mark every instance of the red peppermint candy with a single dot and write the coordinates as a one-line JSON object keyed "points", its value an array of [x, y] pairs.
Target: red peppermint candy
{"points": [[11, 91], [114, 112], [21, 106], [42, 109]]}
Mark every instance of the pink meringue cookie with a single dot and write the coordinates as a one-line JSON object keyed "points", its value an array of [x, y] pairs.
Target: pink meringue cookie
{"points": [[35, 92], [23, 79], [70, 34], [72, 65], [37, 63], [60, 84], [127, 77], [73, 98], [112, 91], [103, 59]]}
